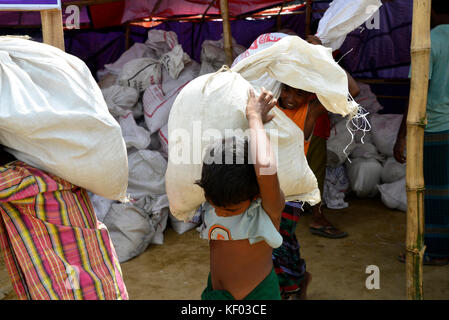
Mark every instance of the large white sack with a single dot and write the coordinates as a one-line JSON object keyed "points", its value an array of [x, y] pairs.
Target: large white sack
{"points": [[394, 195], [158, 99], [301, 65], [364, 176], [53, 117], [203, 110], [385, 129], [146, 174], [342, 17], [392, 171]]}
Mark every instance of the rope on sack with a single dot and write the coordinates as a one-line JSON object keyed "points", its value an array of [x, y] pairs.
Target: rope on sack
{"points": [[224, 68], [357, 122]]}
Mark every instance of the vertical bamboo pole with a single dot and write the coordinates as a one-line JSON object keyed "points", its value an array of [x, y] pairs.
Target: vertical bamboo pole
{"points": [[227, 37], [52, 28], [308, 16], [416, 120]]}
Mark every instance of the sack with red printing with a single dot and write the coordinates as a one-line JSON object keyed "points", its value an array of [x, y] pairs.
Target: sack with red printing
{"points": [[158, 99]]}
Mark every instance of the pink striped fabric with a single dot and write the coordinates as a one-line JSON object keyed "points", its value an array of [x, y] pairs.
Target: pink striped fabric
{"points": [[53, 245]]}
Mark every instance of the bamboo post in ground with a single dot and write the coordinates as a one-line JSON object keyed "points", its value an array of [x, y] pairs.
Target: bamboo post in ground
{"points": [[308, 16], [416, 120], [227, 37], [52, 28]]}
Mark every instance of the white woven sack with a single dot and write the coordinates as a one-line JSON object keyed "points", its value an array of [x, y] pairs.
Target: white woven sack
{"points": [[218, 102], [301, 65], [53, 117], [140, 73], [394, 195], [364, 176], [158, 99]]}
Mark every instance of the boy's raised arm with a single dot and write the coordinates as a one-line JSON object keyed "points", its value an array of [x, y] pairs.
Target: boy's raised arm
{"points": [[263, 156]]}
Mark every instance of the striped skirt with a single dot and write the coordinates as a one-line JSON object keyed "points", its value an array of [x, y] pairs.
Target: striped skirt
{"points": [[288, 264], [54, 248], [436, 199]]}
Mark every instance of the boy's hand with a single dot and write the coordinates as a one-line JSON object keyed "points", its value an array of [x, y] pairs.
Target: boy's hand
{"points": [[259, 107], [314, 40]]}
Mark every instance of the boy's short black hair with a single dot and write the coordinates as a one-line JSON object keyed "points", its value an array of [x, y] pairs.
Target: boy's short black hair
{"points": [[440, 6], [228, 176]]}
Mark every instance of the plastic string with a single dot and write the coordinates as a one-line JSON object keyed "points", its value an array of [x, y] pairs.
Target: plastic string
{"points": [[357, 122]]}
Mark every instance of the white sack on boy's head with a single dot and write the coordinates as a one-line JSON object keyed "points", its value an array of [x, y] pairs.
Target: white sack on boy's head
{"points": [[299, 64]]}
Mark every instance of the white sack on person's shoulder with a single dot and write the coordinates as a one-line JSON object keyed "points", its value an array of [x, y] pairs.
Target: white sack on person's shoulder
{"points": [[299, 64], [214, 103], [53, 116], [342, 17]]}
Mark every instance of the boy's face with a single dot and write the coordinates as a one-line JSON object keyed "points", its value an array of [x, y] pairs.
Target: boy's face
{"points": [[292, 98], [232, 210]]}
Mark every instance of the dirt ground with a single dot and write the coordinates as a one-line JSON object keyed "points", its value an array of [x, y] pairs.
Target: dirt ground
{"points": [[178, 269]]}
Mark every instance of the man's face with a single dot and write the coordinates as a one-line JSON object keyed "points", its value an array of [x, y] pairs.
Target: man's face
{"points": [[292, 98]]}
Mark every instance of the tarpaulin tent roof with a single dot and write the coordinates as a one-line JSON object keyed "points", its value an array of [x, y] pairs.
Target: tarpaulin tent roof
{"points": [[114, 12]]}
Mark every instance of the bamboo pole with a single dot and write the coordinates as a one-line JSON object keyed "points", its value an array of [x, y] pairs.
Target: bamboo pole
{"points": [[227, 37], [308, 16], [416, 120], [52, 28]]}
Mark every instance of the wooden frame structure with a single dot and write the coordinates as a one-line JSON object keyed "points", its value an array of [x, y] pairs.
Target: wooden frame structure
{"points": [[52, 27]]}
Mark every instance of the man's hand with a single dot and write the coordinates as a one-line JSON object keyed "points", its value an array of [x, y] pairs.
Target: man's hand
{"points": [[399, 149], [260, 107], [314, 40]]}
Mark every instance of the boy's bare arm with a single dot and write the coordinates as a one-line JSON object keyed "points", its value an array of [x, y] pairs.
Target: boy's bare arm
{"points": [[265, 165]]}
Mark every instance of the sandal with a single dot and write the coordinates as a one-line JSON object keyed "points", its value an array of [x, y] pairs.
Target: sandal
{"points": [[326, 231]]}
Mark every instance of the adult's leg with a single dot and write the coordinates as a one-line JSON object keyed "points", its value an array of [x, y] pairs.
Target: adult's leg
{"points": [[288, 264], [316, 157], [436, 200]]}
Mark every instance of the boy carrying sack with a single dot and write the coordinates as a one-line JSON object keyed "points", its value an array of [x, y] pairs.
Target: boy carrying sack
{"points": [[243, 210]]}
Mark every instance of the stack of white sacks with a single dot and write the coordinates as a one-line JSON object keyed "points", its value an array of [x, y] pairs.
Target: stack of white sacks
{"points": [[140, 89], [366, 165]]}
